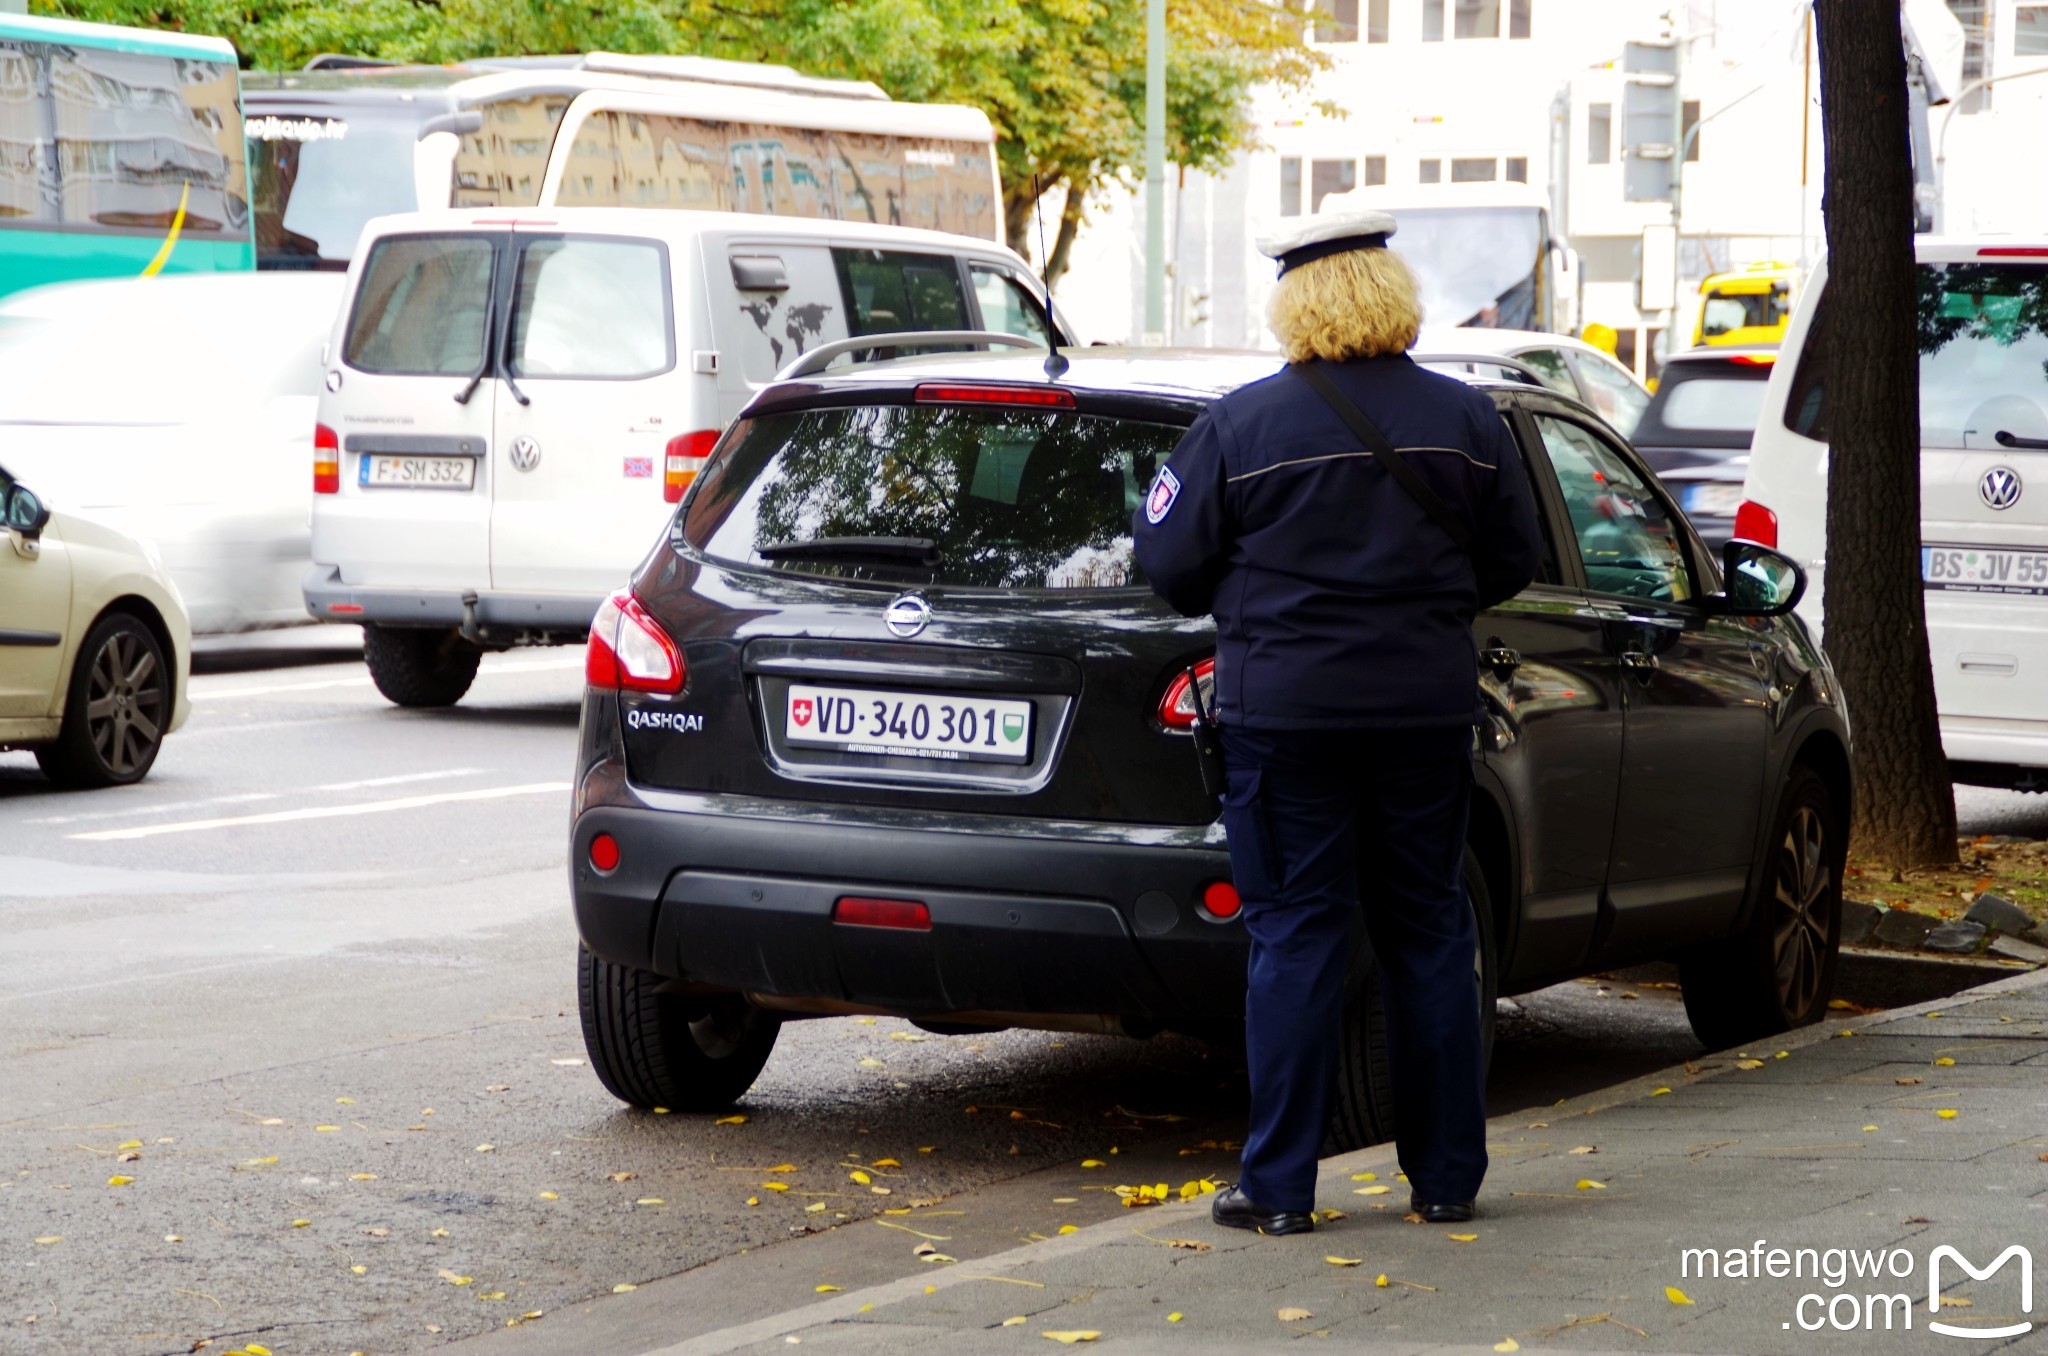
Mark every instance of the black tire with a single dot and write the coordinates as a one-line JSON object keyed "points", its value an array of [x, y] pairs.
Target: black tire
{"points": [[1362, 1102], [115, 707], [669, 1050], [420, 666], [1779, 971]]}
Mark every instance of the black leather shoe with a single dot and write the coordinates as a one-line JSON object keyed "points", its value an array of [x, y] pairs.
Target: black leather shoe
{"points": [[1234, 1210], [1443, 1212]]}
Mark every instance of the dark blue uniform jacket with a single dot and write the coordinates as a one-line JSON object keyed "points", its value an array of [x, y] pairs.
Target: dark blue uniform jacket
{"points": [[1338, 602]]}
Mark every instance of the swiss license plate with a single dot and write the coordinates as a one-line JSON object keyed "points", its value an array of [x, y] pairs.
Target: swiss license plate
{"points": [[908, 724], [1984, 569], [405, 471]]}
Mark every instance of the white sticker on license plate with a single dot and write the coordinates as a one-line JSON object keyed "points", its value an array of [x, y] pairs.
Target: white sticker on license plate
{"points": [[416, 472], [952, 726], [1984, 569]]}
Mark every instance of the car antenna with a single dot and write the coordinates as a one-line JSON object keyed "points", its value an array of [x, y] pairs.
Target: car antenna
{"points": [[1055, 361]]}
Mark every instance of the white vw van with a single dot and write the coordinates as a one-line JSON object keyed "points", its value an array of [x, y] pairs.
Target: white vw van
{"points": [[515, 400], [1983, 322]]}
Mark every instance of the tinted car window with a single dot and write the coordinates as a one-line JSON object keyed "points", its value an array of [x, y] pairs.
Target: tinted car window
{"points": [[1704, 404], [592, 308], [1012, 498], [420, 309], [1005, 308], [888, 292], [1625, 536], [1549, 365]]}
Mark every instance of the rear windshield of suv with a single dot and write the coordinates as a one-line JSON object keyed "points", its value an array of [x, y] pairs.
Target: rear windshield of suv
{"points": [[1705, 404], [1982, 331], [1009, 497]]}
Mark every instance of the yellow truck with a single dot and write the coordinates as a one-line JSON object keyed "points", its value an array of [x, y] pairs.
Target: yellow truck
{"points": [[1746, 306]]}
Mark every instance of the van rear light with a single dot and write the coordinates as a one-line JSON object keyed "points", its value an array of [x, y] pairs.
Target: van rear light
{"points": [[686, 456], [326, 460], [1221, 900], [1754, 522], [2013, 252], [1177, 707], [951, 393], [1753, 359], [908, 914], [628, 650]]}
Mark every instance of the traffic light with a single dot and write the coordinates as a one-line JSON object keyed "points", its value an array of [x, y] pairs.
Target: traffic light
{"points": [[1649, 120]]}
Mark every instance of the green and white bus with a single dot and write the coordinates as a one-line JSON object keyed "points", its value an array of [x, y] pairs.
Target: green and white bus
{"points": [[121, 153]]}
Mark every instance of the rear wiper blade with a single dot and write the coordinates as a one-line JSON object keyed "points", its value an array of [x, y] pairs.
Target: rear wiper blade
{"points": [[2008, 439], [490, 318], [910, 550]]}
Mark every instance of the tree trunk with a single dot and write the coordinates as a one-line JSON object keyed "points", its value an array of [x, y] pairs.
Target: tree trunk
{"points": [[1875, 603], [1070, 227], [1020, 203]]}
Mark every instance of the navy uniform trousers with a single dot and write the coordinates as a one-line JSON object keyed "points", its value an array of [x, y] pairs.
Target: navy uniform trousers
{"points": [[1314, 818]]}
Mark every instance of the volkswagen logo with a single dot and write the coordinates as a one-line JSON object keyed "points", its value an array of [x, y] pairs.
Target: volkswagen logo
{"points": [[2000, 487], [907, 616], [525, 453]]}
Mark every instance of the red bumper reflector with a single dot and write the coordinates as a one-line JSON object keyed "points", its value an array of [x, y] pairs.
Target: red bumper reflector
{"points": [[882, 913], [604, 852], [345, 609], [1221, 899]]}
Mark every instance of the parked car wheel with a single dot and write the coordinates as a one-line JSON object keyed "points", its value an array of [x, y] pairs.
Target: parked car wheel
{"points": [[1362, 1109], [117, 708], [1779, 972], [419, 666], [672, 1050]]}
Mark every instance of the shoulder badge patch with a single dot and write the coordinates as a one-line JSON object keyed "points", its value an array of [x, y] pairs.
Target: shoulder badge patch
{"points": [[1165, 489]]}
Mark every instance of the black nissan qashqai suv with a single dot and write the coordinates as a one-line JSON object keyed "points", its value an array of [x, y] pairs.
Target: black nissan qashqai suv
{"points": [[890, 723]]}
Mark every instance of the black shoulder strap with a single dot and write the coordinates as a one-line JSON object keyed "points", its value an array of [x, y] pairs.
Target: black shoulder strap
{"points": [[1375, 442]]}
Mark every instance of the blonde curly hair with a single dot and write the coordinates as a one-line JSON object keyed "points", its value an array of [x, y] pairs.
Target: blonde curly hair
{"points": [[1358, 304]]}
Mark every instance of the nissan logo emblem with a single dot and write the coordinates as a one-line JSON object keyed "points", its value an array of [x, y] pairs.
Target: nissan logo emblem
{"points": [[907, 616], [1999, 487]]}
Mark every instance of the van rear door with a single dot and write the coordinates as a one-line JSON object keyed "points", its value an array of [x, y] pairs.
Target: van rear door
{"points": [[591, 395], [410, 403]]}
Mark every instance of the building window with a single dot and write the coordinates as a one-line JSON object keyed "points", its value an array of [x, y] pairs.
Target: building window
{"points": [[1376, 20], [1976, 23], [1518, 18], [1688, 119], [1599, 133], [1375, 170], [1432, 20], [1474, 170], [1625, 348], [1432, 172], [1330, 176], [1290, 186], [1476, 19], [1518, 169], [2030, 30], [1337, 21]]}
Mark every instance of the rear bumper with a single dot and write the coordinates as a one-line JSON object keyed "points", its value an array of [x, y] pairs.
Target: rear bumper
{"points": [[507, 617], [737, 893]]}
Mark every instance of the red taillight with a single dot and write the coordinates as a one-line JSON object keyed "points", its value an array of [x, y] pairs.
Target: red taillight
{"points": [[604, 853], [326, 460], [947, 393], [686, 454], [1753, 359], [1220, 899], [2013, 252], [908, 914], [629, 651], [1177, 707], [1754, 522]]}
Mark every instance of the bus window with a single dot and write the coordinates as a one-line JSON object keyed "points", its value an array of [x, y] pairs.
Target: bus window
{"points": [[318, 179], [647, 160], [501, 164], [28, 184]]}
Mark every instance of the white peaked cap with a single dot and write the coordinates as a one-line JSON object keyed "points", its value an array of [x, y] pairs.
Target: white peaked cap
{"points": [[1324, 234]]}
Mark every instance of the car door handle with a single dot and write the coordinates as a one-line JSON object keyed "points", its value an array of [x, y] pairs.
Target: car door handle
{"points": [[1638, 660], [1501, 659]]}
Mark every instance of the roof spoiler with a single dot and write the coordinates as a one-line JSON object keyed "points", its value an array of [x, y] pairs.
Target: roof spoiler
{"points": [[821, 357]]}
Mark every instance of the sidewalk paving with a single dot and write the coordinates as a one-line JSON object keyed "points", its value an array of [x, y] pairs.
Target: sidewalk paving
{"points": [[1839, 1136]]}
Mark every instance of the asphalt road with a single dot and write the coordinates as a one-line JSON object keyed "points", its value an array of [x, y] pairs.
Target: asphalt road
{"points": [[290, 1051]]}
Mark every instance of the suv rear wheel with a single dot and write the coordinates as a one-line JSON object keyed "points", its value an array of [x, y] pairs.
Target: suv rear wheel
{"points": [[420, 666], [1779, 971], [670, 1050], [1362, 1108]]}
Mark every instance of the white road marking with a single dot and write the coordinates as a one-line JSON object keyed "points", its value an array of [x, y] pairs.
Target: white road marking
{"points": [[363, 680], [401, 779], [250, 797], [371, 807]]}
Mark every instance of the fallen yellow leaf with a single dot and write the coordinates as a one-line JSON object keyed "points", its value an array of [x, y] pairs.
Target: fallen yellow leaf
{"points": [[1507, 1344], [1017, 1322], [1461, 1238], [624, 1287], [926, 1148], [867, 1063], [1292, 1315], [360, 1270], [492, 1295], [1585, 1149], [1869, 1127], [345, 1101], [1069, 1338], [753, 1200], [1944, 1063], [486, 1148], [1676, 1296], [620, 1176], [549, 1196], [826, 1289], [301, 1223], [1344, 1261], [453, 1278], [257, 1162], [1588, 1184], [814, 1207], [1365, 1177], [860, 1177], [118, 1180], [783, 1167], [887, 1163], [1948, 1113], [254, 1350], [650, 1200], [774, 1186], [1070, 1228], [48, 1239], [1173, 1318], [129, 1144], [1093, 1163], [1381, 1280], [730, 1120], [1659, 1092], [1749, 1064], [1372, 1191], [326, 1129], [659, 1110]]}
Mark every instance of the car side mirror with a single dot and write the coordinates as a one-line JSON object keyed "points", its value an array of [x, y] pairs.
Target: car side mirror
{"points": [[26, 512], [1758, 581]]}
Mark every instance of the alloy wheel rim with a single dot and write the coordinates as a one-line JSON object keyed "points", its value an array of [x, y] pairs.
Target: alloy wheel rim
{"points": [[1799, 939], [124, 704]]}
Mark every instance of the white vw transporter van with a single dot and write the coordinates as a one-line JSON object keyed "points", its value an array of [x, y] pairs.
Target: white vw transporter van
{"points": [[1983, 338], [515, 401]]}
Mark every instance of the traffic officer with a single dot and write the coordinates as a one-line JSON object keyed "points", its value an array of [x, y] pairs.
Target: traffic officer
{"points": [[1344, 569]]}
